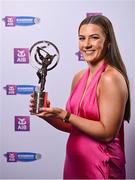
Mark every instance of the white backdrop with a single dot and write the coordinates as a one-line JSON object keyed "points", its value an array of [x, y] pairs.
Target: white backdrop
{"points": [[59, 21]]}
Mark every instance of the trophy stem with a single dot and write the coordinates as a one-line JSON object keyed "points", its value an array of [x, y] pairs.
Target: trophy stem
{"points": [[40, 99]]}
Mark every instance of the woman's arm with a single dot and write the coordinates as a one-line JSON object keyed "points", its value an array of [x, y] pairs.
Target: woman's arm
{"points": [[112, 98]]}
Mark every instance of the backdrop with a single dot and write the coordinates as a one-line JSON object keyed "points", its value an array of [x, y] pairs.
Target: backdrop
{"points": [[30, 148]]}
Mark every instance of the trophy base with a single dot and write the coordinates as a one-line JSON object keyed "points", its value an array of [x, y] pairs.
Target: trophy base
{"points": [[40, 99]]}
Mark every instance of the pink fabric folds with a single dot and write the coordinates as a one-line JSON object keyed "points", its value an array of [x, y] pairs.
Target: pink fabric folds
{"points": [[87, 158]]}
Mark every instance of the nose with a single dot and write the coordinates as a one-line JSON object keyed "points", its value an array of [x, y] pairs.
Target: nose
{"points": [[87, 44]]}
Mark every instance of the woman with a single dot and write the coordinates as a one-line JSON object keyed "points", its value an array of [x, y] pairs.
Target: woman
{"points": [[97, 107]]}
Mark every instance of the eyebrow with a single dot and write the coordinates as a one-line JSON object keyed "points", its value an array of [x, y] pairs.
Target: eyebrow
{"points": [[90, 35]]}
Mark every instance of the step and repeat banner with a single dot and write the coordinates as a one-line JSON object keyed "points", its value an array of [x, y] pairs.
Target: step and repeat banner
{"points": [[31, 148]]}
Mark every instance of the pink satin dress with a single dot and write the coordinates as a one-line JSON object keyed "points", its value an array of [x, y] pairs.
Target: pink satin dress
{"points": [[87, 158]]}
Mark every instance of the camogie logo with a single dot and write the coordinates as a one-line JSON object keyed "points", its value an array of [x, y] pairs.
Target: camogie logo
{"points": [[11, 21], [22, 156], [12, 89]]}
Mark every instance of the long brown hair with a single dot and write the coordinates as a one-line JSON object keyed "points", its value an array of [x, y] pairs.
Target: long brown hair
{"points": [[113, 56]]}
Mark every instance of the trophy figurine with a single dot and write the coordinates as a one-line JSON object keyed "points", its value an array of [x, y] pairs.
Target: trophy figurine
{"points": [[44, 56]]}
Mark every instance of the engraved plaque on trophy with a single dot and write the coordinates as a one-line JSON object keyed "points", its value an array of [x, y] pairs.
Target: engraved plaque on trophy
{"points": [[44, 56]]}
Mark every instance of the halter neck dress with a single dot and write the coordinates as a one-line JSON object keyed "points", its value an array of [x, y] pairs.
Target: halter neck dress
{"points": [[87, 158]]}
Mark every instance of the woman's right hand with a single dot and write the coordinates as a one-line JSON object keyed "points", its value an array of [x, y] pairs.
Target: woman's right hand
{"points": [[32, 103]]}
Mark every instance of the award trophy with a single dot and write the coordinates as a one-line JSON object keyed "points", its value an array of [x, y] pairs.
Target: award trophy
{"points": [[44, 56]]}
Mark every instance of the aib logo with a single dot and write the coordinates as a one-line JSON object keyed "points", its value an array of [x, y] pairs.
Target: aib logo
{"points": [[80, 57], [93, 13], [21, 55], [22, 123], [11, 156], [11, 89]]}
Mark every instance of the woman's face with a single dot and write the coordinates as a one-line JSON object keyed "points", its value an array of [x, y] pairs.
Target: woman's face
{"points": [[92, 43]]}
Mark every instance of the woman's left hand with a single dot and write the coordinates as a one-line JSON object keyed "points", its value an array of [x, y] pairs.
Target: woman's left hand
{"points": [[51, 112]]}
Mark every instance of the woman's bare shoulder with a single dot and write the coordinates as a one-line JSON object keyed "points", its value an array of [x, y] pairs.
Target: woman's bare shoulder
{"points": [[112, 77], [112, 74]]}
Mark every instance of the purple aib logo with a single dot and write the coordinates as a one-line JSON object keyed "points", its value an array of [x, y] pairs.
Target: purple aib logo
{"points": [[93, 13], [22, 123], [10, 21], [80, 57], [11, 89], [11, 157], [21, 55]]}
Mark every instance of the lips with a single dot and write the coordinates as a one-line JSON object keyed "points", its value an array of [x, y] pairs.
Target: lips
{"points": [[89, 52]]}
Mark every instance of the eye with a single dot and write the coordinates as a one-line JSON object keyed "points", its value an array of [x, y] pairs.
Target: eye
{"points": [[95, 37], [81, 38]]}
